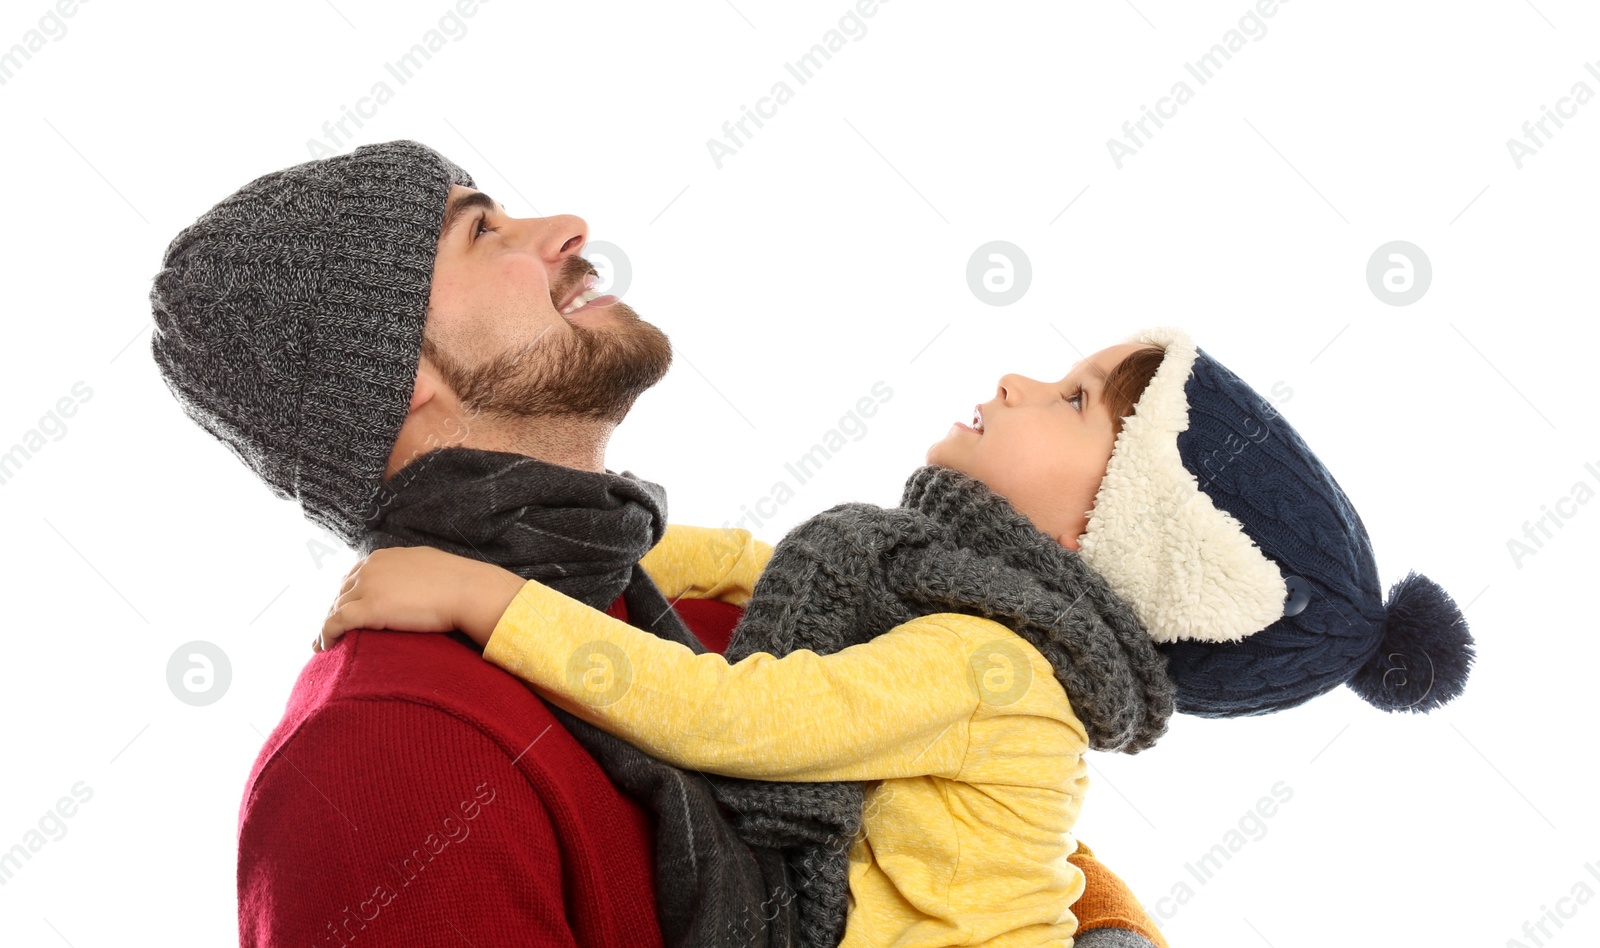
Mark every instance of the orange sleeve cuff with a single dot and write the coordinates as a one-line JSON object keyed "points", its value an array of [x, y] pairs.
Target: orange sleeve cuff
{"points": [[1107, 901]]}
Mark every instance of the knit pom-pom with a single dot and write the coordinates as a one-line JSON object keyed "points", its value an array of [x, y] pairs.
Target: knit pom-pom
{"points": [[1425, 654]]}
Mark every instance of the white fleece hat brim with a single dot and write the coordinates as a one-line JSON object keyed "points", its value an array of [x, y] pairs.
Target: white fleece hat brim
{"points": [[1186, 567]]}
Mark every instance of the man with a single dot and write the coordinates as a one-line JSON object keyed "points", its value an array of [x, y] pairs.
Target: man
{"points": [[382, 343]]}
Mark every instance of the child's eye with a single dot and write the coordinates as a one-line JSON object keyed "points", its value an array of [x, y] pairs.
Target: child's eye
{"points": [[1079, 396]]}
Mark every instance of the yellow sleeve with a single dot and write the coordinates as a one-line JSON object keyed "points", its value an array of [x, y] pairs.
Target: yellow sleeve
{"points": [[706, 563], [897, 706]]}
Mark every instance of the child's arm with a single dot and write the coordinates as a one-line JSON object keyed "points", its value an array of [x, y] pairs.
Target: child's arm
{"points": [[706, 563], [423, 589], [893, 707], [896, 706], [419, 589]]}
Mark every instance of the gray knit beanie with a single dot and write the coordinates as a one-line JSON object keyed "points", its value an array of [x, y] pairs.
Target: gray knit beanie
{"points": [[289, 320]]}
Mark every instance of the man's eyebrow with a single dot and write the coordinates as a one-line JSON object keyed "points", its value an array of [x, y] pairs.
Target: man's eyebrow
{"points": [[457, 208]]}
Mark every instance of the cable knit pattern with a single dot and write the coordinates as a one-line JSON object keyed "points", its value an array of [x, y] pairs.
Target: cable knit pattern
{"points": [[1247, 562]]}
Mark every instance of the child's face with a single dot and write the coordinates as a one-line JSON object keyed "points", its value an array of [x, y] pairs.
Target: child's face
{"points": [[1043, 447]]}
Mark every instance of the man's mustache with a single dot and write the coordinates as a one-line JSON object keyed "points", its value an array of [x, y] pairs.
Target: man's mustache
{"points": [[572, 274]]}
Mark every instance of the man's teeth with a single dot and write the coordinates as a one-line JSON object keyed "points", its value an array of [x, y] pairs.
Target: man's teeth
{"points": [[581, 299]]}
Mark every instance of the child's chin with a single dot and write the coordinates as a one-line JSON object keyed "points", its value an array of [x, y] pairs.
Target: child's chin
{"points": [[941, 455]]}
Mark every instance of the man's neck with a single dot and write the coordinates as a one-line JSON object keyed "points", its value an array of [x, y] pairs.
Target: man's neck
{"points": [[570, 442]]}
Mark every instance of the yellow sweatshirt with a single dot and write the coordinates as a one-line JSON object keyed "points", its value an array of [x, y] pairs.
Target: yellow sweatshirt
{"points": [[974, 753]]}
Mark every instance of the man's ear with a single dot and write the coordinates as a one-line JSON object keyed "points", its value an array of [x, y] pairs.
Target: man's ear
{"points": [[1068, 540], [427, 384]]}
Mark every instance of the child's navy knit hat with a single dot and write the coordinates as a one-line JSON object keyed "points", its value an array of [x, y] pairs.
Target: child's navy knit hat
{"points": [[1245, 560]]}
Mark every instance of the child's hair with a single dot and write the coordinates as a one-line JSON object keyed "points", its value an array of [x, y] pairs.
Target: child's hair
{"points": [[1125, 383]]}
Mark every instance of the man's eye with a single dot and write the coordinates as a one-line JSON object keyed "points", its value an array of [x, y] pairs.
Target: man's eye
{"points": [[478, 227]]}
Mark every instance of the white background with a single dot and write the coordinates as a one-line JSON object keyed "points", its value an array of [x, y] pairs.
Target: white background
{"points": [[827, 254]]}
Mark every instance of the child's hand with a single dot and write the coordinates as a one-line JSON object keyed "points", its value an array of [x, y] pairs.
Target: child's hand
{"points": [[420, 589]]}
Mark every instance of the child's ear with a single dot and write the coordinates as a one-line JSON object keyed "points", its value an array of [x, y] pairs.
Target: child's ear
{"points": [[1068, 540]]}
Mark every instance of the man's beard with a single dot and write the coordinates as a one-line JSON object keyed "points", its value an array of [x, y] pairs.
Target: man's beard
{"points": [[592, 372]]}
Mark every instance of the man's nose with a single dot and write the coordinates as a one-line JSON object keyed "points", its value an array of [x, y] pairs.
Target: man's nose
{"points": [[559, 237]]}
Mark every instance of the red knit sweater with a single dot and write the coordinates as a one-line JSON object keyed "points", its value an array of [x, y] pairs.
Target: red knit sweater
{"points": [[415, 794]]}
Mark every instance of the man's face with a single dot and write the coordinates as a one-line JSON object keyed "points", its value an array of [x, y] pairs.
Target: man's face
{"points": [[496, 332]]}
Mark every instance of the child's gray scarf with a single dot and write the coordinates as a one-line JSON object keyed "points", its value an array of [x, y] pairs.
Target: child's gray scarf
{"points": [[842, 577], [855, 571]]}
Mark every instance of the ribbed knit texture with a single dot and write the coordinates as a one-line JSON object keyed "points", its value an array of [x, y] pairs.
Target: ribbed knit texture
{"points": [[289, 320], [414, 795]]}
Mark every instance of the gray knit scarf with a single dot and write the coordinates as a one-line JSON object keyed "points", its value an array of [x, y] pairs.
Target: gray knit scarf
{"points": [[855, 571], [778, 874]]}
